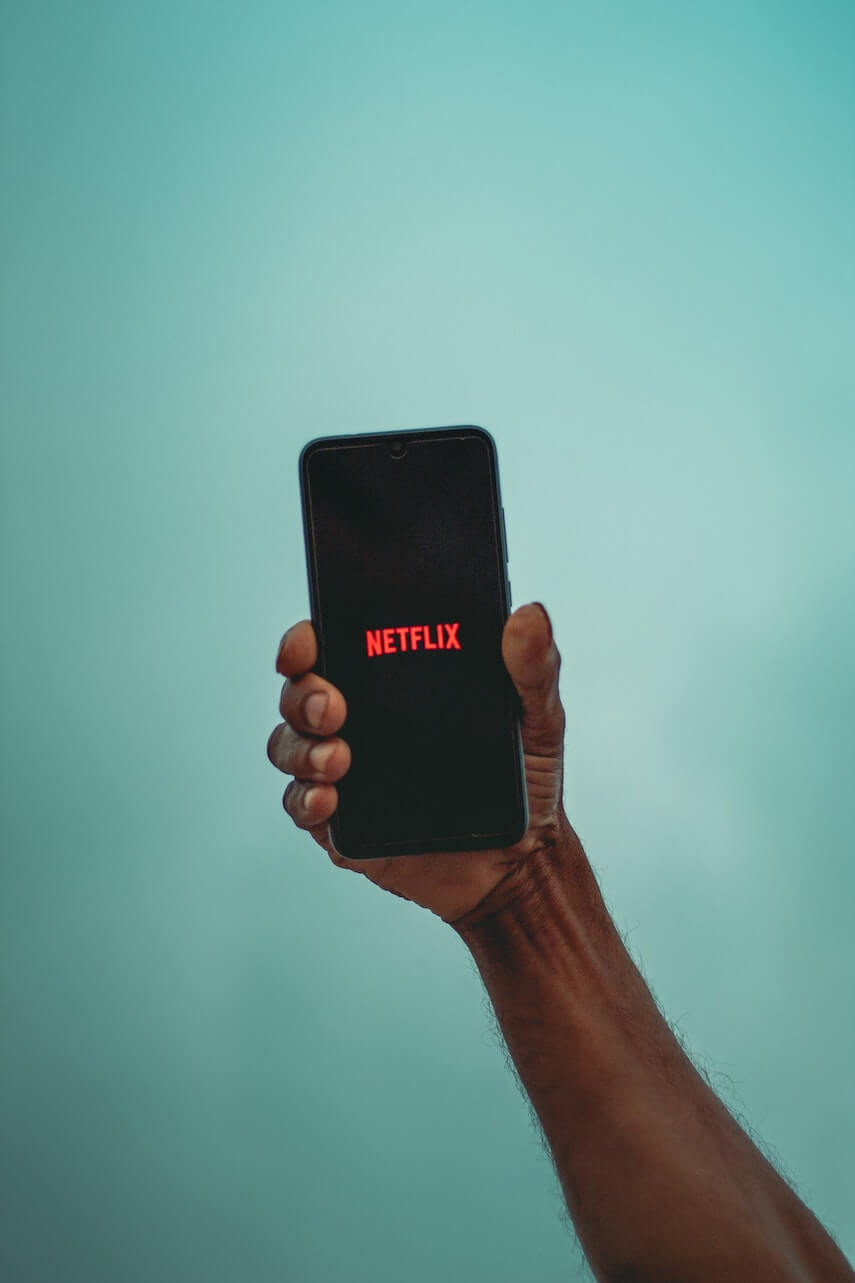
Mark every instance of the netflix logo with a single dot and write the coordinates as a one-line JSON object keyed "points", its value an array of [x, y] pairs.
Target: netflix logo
{"points": [[392, 641]]}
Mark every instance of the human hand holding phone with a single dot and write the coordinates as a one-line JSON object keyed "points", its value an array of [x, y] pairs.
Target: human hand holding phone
{"points": [[658, 1178], [451, 884]]}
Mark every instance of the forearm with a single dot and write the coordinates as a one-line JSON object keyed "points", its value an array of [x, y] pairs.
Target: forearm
{"points": [[660, 1181]]}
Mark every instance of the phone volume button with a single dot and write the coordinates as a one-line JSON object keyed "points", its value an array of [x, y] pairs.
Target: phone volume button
{"points": [[504, 534]]}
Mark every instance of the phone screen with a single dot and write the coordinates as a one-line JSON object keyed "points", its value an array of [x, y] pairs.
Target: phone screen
{"points": [[405, 550]]}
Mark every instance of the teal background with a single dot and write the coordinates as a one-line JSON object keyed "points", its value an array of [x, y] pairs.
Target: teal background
{"points": [[619, 236]]}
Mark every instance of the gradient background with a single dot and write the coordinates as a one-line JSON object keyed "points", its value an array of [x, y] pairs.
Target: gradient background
{"points": [[619, 236]]}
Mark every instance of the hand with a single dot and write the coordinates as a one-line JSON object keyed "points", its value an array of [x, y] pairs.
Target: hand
{"points": [[450, 884]]}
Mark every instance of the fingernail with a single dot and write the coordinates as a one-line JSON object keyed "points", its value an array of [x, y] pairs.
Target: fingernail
{"points": [[315, 707], [309, 798], [320, 755], [546, 617]]}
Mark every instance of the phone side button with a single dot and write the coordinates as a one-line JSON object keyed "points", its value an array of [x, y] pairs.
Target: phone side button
{"points": [[510, 598], [504, 534]]}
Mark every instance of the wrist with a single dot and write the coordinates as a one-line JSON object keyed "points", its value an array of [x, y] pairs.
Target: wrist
{"points": [[547, 950], [551, 894]]}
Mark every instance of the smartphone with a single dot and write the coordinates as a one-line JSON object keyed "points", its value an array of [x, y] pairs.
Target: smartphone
{"points": [[407, 566]]}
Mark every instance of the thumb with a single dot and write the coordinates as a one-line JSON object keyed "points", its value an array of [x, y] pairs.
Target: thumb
{"points": [[533, 662]]}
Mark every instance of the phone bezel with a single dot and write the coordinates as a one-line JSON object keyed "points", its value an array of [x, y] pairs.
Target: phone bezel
{"points": [[452, 842]]}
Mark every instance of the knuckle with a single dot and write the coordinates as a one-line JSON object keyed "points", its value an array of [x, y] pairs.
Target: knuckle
{"points": [[288, 799], [555, 710], [281, 752], [292, 800], [273, 744]]}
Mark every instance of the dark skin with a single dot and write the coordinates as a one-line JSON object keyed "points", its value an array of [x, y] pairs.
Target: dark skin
{"points": [[662, 1184], [448, 885]]}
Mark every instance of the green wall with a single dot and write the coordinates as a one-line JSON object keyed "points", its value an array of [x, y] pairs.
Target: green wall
{"points": [[619, 235]]}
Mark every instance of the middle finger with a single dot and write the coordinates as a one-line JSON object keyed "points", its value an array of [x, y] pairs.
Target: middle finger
{"points": [[312, 705], [308, 759]]}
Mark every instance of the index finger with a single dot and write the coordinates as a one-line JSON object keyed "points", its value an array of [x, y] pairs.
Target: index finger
{"points": [[298, 650]]}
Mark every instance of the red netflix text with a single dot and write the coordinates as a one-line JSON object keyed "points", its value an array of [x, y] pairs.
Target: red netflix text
{"points": [[392, 641]]}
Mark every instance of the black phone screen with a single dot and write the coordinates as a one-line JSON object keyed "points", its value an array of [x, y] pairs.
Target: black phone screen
{"points": [[409, 593]]}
